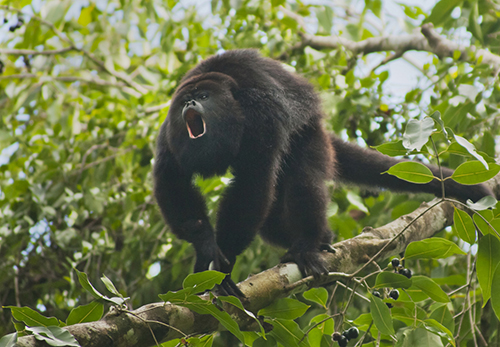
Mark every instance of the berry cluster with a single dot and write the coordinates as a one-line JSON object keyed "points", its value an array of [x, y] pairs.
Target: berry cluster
{"points": [[393, 294], [400, 268], [349, 334]]}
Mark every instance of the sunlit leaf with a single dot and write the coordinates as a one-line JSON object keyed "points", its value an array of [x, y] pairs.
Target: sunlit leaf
{"points": [[435, 247], [412, 172], [474, 172], [417, 133]]}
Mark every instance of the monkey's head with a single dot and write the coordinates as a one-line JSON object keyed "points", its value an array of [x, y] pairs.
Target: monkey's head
{"points": [[205, 124]]}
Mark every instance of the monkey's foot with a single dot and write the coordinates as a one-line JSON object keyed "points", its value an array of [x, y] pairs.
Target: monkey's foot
{"points": [[309, 259]]}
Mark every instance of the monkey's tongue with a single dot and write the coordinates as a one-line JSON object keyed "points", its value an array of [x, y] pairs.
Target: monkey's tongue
{"points": [[195, 124]]}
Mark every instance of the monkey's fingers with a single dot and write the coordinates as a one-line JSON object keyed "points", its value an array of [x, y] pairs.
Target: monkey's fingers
{"points": [[309, 263], [327, 248], [229, 288]]}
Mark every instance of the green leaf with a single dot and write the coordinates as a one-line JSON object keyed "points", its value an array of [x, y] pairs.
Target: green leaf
{"points": [[441, 11], [85, 283], [474, 26], [200, 306], [409, 337], [327, 327], [180, 296], [435, 247], [464, 226], [429, 287], [288, 333], [474, 172], [471, 149], [437, 328], [202, 281], [237, 303], [357, 201], [392, 149], [488, 258], [443, 315], [321, 335], [110, 286], [269, 341], [87, 313], [381, 316], [317, 295], [495, 291], [285, 308], [437, 117], [417, 133], [486, 223], [391, 279], [412, 172], [54, 336], [31, 317], [86, 16], [8, 340]]}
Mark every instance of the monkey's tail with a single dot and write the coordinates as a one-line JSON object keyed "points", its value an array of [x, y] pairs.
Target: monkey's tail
{"points": [[365, 167]]}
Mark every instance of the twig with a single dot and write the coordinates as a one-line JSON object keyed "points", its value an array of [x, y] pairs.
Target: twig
{"points": [[121, 76], [33, 52]]}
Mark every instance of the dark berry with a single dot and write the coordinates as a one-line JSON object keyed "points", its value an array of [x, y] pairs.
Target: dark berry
{"points": [[344, 333], [352, 333], [389, 305], [405, 272], [394, 294], [343, 341], [395, 262], [336, 336], [376, 293]]}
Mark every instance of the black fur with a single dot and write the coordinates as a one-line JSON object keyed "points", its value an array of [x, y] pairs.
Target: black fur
{"points": [[266, 124]]}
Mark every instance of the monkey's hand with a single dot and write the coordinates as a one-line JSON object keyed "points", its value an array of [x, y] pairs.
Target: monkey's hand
{"points": [[227, 287], [308, 258], [209, 256]]}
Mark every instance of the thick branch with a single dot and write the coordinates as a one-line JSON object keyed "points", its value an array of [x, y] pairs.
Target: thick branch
{"points": [[261, 289]]}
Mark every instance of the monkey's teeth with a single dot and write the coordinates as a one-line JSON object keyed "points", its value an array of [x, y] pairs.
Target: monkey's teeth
{"points": [[195, 125]]}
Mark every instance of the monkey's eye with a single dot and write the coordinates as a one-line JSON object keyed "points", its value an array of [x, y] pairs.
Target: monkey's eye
{"points": [[203, 96]]}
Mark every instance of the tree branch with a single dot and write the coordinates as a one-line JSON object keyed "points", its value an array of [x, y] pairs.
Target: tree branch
{"points": [[33, 52], [261, 289], [428, 40]]}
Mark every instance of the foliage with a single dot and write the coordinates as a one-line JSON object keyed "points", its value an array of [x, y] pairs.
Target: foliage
{"points": [[84, 87]]}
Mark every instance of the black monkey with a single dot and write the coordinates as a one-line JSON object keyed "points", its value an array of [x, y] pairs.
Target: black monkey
{"points": [[243, 111]]}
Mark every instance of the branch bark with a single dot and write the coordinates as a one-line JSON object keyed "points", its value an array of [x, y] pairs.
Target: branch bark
{"points": [[164, 321], [428, 40]]}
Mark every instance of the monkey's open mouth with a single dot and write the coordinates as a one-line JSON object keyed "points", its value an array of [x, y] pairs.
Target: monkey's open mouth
{"points": [[195, 124]]}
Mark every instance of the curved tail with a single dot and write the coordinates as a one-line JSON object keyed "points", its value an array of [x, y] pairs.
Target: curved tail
{"points": [[364, 167]]}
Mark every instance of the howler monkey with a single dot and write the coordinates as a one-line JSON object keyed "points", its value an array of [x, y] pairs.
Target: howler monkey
{"points": [[242, 111]]}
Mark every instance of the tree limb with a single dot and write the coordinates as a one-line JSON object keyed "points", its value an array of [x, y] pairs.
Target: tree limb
{"points": [[428, 40], [119, 328]]}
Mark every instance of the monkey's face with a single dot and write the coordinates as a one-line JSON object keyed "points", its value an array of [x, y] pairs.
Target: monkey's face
{"points": [[204, 126]]}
